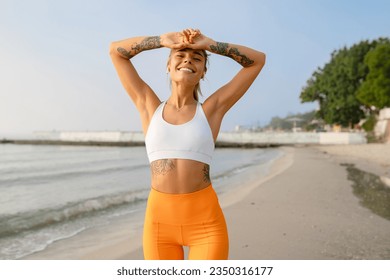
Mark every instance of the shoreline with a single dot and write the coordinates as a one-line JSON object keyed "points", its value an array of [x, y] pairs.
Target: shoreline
{"points": [[122, 239], [302, 208]]}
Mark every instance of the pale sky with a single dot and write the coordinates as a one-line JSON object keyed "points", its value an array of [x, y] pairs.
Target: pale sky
{"points": [[56, 74]]}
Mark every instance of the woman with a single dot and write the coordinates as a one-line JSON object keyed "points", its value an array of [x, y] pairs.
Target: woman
{"points": [[180, 133]]}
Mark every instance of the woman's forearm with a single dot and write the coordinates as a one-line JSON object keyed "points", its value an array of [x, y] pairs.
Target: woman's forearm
{"points": [[128, 48], [241, 54]]}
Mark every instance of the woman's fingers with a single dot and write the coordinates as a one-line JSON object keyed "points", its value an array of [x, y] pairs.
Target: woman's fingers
{"points": [[186, 36], [190, 34]]}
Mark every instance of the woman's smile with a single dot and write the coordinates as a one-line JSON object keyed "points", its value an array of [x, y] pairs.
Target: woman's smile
{"points": [[185, 69]]}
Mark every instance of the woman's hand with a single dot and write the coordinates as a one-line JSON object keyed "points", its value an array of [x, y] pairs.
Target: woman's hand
{"points": [[188, 38], [196, 40], [173, 40]]}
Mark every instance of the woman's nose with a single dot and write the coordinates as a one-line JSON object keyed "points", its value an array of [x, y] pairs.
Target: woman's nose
{"points": [[187, 60]]}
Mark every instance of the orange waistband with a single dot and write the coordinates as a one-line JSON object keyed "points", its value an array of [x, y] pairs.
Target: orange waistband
{"points": [[184, 208], [193, 194]]}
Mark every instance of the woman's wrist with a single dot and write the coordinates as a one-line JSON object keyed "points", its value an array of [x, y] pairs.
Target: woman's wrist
{"points": [[209, 43], [162, 39]]}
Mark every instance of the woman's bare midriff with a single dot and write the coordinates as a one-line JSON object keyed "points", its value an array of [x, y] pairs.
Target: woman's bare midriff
{"points": [[179, 175]]}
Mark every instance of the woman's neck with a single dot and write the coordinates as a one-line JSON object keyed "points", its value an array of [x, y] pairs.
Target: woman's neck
{"points": [[181, 96]]}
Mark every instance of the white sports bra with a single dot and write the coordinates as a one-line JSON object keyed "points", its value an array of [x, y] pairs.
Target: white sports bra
{"points": [[191, 140]]}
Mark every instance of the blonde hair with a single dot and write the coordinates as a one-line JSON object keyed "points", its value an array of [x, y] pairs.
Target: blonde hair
{"points": [[197, 90]]}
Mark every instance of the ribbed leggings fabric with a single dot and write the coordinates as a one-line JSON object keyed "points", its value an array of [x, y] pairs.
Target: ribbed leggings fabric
{"points": [[192, 219]]}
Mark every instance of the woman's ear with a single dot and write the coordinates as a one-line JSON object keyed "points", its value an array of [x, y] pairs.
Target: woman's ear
{"points": [[168, 69], [168, 64], [204, 72]]}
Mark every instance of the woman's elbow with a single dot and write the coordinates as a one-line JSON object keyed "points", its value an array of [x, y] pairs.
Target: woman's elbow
{"points": [[262, 59], [112, 49]]}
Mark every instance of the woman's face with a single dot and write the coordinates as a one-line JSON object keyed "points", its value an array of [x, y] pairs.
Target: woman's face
{"points": [[187, 65]]}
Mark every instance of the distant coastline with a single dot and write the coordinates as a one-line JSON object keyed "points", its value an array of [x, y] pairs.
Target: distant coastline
{"points": [[239, 139], [124, 143]]}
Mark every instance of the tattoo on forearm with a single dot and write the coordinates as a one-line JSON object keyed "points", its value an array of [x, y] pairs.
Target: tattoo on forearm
{"points": [[224, 49], [206, 173], [162, 167], [220, 48], [124, 53], [146, 44]]}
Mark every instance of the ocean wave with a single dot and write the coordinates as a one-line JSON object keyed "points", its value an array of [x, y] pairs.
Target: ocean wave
{"points": [[56, 176], [15, 247], [32, 220]]}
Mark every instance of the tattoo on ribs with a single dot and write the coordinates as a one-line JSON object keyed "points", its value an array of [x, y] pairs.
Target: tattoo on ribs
{"points": [[162, 166], [146, 44], [206, 173], [224, 49]]}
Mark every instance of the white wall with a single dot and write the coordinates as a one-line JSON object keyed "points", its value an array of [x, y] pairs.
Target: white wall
{"points": [[382, 125], [277, 138]]}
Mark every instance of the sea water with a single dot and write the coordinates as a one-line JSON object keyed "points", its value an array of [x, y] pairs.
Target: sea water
{"points": [[53, 192]]}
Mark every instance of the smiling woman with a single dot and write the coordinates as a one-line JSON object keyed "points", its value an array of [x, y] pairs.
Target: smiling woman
{"points": [[200, 61], [183, 209]]}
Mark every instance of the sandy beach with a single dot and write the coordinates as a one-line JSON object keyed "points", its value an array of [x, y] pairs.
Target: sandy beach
{"points": [[304, 208], [309, 211]]}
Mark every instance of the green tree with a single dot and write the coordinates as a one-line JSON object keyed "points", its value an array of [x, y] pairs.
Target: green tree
{"points": [[335, 86], [375, 90]]}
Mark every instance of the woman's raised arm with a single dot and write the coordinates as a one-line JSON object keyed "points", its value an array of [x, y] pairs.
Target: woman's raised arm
{"points": [[252, 61], [121, 53]]}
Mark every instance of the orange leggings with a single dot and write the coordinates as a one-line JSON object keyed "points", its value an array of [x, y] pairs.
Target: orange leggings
{"points": [[192, 219]]}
